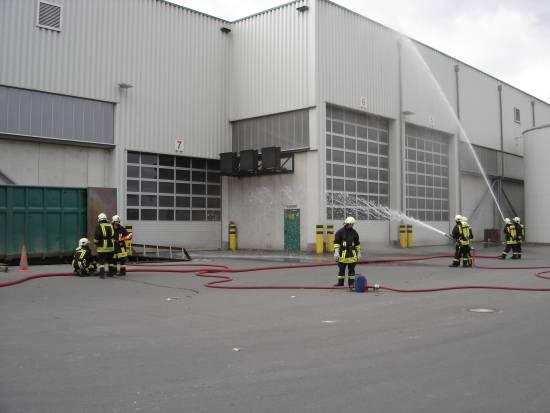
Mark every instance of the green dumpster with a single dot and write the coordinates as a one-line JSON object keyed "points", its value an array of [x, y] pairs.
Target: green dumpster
{"points": [[48, 220]]}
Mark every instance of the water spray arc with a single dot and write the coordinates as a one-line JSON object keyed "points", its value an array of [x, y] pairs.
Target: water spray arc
{"points": [[406, 41], [380, 212]]}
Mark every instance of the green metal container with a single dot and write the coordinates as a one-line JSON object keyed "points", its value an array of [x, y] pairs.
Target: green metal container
{"points": [[48, 220]]}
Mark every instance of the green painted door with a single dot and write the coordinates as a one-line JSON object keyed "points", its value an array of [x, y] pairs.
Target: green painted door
{"points": [[49, 221], [292, 229]]}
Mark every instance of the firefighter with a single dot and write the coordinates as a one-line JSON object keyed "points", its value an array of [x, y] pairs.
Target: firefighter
{"points": [[120, 253], [347, 250], [463, 237], [471, 236], [511, 239], [104, 241], [520, 231], [83, 261]]}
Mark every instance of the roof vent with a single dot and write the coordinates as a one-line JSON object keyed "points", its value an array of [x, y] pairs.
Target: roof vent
{"points": [[49, 15]]}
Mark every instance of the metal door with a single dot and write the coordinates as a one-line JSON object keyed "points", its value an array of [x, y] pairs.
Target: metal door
{"points": [[292, 229]]}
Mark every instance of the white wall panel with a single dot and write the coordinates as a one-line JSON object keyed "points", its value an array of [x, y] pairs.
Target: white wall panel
{"points": [[542, 113], [31, 163], [269, 62], [429, 87], [356, 58], [512, 98], [197, 235], [537, 193], [256, 205], [479, 107]]}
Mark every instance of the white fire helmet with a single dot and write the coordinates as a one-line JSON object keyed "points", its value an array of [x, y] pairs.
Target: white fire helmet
{"points": [[116, 219], [464, 219], [82, 242], [508, 220], [516, 219], [102, 217], [349, 220], [458, 218]]}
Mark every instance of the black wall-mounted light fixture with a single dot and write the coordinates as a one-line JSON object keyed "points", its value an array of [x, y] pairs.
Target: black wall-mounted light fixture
{"points": [[225, 30], [302, 8]]}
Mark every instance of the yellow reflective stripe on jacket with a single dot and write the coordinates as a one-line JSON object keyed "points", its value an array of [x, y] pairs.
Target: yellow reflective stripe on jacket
{"points": [[104, 246]]}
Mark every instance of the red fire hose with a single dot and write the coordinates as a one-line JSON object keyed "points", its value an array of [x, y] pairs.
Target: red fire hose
{"points": [[216, 271]]}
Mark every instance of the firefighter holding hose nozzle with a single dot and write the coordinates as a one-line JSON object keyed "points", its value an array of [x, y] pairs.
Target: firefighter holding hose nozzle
{"points": [[463, 236], [347, 251]]}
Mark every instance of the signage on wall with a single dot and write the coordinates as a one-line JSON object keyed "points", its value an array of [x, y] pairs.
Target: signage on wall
{"points": [[431, 121], [179, 145], [363, 103]]}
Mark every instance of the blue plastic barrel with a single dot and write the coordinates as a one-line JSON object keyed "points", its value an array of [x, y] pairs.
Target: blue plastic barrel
{"points": [[360, 284]]}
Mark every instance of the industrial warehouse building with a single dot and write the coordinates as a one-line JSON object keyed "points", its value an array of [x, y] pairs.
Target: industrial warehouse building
{"points": [[131, 102]]}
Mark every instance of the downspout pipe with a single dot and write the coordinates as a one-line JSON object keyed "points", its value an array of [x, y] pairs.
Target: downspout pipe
{"points": [[499, 87], [401, 121], [459, 183], [533, 112]]}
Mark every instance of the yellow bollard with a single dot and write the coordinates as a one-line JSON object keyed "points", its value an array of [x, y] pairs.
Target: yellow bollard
{"points": [[128, 242], [402, 236], [409, 235], [330, 238], [319, 230], [232, 236]]}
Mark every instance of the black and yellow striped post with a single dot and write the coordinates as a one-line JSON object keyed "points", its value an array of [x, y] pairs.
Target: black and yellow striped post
{"points": [[128, 242], [409, 235], [232, 236], [330, 238], [402, 236], [319, 232]]}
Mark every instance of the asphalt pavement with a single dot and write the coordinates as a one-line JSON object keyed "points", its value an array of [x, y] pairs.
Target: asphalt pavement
{"points": [[164, 342]]}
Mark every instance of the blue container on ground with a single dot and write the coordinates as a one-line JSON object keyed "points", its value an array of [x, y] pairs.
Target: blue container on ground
{"points": [[360, 284]]}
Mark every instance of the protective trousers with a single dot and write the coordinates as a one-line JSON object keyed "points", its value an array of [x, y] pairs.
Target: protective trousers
{"points": [[105, 262], [342, 273]]}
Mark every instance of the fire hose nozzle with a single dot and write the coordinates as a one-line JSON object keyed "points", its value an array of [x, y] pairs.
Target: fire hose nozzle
{"points": [[376, 287]]}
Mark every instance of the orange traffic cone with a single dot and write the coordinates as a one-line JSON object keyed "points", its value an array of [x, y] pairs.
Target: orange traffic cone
{"points": [[23, 264]]}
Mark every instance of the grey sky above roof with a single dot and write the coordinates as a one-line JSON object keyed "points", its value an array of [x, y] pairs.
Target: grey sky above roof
{"points": [[507, 39]]}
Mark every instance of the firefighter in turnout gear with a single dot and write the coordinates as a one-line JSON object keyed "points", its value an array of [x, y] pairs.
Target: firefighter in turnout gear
{"points": [[465, 222], [83, 261], [347, 250], [105, 246], [520, 230], [463, 236], [120, 253], [511, 239]]}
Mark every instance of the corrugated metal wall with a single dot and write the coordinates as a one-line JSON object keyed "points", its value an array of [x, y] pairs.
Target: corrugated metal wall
{"points": [[38, 114], [46, 164], [429, 87], [269, 62], [175, 58], [357, 58], [479, 95]]}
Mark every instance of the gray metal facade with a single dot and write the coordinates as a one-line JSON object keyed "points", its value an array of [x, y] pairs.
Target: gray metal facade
{"points": [[289, 131], [45, 115], [191, 90]]}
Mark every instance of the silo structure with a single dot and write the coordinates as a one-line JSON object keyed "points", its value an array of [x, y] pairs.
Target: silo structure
{"points": [[537, 191]]}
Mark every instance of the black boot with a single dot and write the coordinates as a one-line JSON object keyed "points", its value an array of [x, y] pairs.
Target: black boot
{"points": [[102, 273], [122, 272], [340, 283]]}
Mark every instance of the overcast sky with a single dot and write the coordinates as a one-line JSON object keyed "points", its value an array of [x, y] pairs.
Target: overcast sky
{"points": [[507, 39]]}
